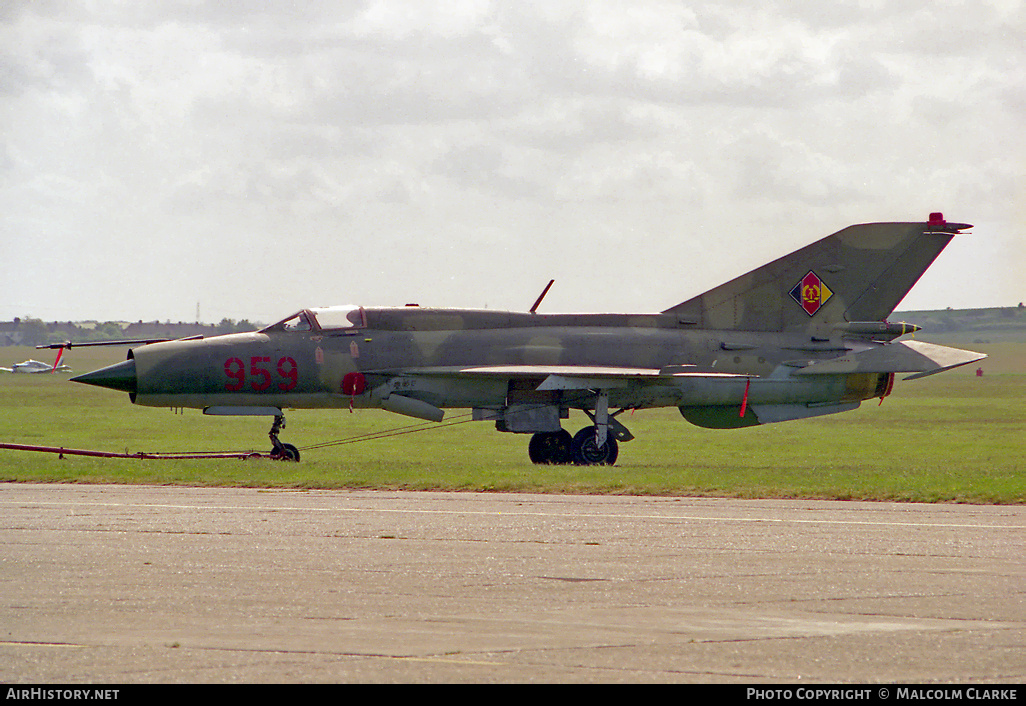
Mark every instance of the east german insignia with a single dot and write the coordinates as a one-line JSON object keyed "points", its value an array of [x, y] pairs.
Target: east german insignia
{"points": [[811, 293]]}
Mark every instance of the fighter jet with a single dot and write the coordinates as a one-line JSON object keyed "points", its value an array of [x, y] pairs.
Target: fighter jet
{"points": [[36, 366], [803, 336]]}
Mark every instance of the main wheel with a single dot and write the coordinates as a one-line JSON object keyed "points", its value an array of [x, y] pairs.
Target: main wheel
{"points": [[586, 452], [550, 447]]}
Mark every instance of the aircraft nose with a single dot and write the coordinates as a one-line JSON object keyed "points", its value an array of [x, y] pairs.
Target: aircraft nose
{"points": [[120, 376]]}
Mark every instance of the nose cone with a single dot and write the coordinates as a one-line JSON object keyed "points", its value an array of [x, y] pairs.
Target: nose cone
{"points": [[120, 376]]}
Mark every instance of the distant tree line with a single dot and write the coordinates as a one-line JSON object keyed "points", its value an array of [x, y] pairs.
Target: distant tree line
{"points": [[966, 320], [30, 331], [232, 326]]}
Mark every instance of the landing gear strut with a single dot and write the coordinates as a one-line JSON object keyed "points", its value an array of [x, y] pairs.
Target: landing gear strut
{"points": [[280, 451]]}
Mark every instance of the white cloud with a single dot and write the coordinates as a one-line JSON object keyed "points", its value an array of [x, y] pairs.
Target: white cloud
{"points": [[267, 155]]}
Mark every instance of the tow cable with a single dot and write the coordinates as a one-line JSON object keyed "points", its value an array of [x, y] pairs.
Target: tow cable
{"points": [[63, 451], [398, 431]]}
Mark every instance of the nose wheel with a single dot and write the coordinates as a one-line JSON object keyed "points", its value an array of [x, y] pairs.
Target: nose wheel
{"points": [[279, 450]]}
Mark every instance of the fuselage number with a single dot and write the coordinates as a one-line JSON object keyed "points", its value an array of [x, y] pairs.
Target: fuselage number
{"points": [[260, 375]]}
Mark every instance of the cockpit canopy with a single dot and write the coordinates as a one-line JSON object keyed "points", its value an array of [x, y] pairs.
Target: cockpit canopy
{"points": [[329, 318]]}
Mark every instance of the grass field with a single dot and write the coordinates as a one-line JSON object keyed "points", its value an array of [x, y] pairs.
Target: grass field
{"points": [[952, 437]]}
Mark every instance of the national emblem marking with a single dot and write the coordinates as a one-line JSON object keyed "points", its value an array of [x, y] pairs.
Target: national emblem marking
{"points": [[811, 293]]}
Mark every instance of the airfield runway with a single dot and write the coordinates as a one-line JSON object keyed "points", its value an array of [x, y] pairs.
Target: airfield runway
{"points": [[130, 584]]}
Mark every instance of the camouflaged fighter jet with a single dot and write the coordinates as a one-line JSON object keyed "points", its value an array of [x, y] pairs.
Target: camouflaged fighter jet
{"points": [[803, 336]]}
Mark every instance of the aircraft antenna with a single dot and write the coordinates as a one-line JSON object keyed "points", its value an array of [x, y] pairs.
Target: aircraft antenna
{"points": [[534, 309]]}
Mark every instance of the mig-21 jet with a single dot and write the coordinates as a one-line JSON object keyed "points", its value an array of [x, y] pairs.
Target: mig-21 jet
{"points": [[803, 336]]}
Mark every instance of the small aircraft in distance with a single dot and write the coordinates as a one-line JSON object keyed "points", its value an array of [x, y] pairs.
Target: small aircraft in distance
{"points": [[36, 366], [803, 336]]}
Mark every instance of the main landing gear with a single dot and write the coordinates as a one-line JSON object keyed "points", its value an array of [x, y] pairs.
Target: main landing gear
{"points": [[553, 447], [582, 449], [594, 445], [280, 451]]}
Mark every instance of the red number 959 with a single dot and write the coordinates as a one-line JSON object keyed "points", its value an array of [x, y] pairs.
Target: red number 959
{"points": [[260, 375]]}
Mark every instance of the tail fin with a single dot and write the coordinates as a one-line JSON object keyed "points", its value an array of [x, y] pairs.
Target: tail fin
{"points": [[860, 273]]}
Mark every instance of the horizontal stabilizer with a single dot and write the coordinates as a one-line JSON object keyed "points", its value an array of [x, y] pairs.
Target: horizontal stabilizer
{"points": [[900, 357]]}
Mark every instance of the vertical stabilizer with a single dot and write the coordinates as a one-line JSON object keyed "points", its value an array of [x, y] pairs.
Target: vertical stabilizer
{"points": [[860, 273]]}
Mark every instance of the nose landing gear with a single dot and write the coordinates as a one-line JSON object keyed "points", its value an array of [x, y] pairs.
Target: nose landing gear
{"points": [[279, 450]]}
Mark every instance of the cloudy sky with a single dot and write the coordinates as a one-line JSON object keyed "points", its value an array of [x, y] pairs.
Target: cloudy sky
{"points": [[254, 157]]}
